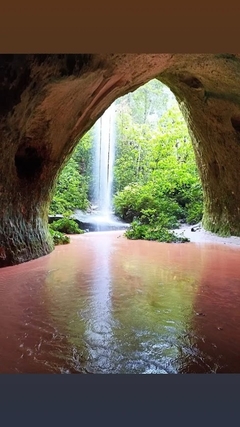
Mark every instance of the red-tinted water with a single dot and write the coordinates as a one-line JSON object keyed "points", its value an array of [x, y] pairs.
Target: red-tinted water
{"points": [[105, 304]]}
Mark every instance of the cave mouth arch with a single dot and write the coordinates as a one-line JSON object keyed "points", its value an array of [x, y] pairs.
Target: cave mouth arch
{"points": [[145, 106], [54, 101]]}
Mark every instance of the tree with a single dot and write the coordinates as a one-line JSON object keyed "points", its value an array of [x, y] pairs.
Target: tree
{"points": [[149, 102], [132, 152], [155, 174], [73, 186], [169, 190], [49, 101]]}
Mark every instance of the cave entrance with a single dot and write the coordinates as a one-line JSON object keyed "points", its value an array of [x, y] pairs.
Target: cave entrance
{"points": [[151, 167]]}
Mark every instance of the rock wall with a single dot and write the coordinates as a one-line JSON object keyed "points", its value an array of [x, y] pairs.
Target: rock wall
{"points": [[47, 102]]}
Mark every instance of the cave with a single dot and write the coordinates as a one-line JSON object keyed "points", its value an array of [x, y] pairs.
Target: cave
{"points": [[47, 102]]}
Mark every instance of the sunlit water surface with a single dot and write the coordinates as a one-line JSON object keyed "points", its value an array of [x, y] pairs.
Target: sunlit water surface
{"points": [[105, 304]]}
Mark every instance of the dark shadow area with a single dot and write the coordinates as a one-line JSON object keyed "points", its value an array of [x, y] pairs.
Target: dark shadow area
{"points": [[29, 163], [192, 82], [235, 120]]}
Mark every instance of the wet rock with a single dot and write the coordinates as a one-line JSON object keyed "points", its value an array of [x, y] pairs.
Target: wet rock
{"points": [[196, 227], [48, 102], [52, 218]]}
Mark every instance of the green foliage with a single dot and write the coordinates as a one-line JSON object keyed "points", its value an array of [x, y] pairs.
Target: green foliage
{"points": [[147, 100], [156, 182], [66, 225], [83, 155], [153, 232], [72, 187], [168, 189], [146, 203], [71, 191], [129, 202], [58, 237], [133, 154]]}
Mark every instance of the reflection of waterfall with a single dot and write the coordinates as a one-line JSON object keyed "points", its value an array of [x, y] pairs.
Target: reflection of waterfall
{"points": [[104, 146], [99, 327]]}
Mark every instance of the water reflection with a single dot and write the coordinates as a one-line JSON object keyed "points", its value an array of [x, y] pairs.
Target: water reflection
{"points": [[217, 315], [153, 303], [105, 304], [97, 314]]}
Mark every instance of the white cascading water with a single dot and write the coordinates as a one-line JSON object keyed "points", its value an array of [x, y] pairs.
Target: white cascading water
{"points": [[102, 218], [104, 146]]}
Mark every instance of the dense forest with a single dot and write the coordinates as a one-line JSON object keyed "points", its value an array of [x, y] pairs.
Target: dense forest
{"points": [[156, 184]]}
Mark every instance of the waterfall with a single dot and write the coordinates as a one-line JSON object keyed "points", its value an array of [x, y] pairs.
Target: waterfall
{"points": [[101, 217], [104, 147]]}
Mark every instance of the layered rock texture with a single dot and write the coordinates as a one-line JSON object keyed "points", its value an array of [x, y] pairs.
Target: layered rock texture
{"points": [[47, 102]]}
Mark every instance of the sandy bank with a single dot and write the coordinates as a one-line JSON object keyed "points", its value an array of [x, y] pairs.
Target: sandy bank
{"points": [[203, 236]]}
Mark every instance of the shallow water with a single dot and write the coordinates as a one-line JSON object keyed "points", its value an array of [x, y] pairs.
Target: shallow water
{"points": [[105, 304]]}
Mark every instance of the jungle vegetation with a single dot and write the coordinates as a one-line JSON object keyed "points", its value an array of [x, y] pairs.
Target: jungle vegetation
{"points": [[156, 182]]}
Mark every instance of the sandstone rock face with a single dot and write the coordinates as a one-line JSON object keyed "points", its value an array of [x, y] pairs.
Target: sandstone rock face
{"points": [[47, 102]]}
